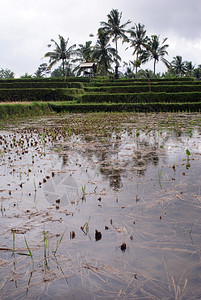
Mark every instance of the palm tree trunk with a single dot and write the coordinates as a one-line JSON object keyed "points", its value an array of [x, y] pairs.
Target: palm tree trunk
{"points": [[66, 72], [116, 66], [63, 65], [136, 63], [154, 66]]}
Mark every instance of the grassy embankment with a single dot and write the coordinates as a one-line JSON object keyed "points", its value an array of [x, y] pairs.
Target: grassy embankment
{"points": [[33, 97]]}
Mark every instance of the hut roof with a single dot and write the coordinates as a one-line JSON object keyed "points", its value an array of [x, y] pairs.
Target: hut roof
{"points": [[87, 65]]}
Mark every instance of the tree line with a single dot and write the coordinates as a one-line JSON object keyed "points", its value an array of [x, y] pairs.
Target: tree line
{"points": [[106, 55]]}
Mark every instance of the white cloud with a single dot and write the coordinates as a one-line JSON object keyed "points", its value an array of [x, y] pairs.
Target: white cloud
{"points": [[26, 27]]}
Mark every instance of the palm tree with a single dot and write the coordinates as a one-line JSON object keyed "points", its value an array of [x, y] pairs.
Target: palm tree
{"points": [[156, 51], [189, 68], [42, 71], [197, 73], [61, 52], [103, 53], [138, 40], [145, 74], [115, 30], [84, 54], [178, 66]]}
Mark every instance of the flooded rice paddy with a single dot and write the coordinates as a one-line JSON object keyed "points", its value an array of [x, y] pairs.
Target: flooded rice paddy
{"points": [[101, 206]]}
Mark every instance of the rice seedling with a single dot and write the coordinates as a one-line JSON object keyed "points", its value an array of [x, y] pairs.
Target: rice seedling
{"points": [[43, 140], [188, 153], [69, 131], [13, 231], [137, 133], [83, 192], [46, 244], [30, 253], [190, 132], [59, 240]]}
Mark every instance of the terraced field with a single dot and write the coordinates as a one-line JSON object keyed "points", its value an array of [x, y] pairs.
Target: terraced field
{"points": [[80, 94]]}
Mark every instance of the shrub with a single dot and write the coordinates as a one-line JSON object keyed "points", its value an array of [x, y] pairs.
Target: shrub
{"points": [[144, 89], [127, 107], [39, 85], [23, 110], [142, 97], [49, 79], [11, 95]]}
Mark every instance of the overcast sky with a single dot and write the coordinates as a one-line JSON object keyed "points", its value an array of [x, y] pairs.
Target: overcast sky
{"points": [[27, 26]]}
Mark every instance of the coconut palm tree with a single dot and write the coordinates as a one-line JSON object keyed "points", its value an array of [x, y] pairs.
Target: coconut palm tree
{"points": [[189, 68], [156, 51], [104, 54], [178, 66], [84, 54], [138, 40], [115, 30], [61, 53]]}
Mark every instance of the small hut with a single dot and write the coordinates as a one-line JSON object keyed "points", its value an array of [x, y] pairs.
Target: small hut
{"points": [[88, 69]]}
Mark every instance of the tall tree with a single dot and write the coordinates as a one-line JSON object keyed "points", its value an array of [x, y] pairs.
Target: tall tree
{"points": [[189, 68], [178, 66], [115, 30], [157, 51], [84, 52], [104, 54], [61, 53], [58, 72], [138, 40], [6, 74], [42, 71], [197, 73]]}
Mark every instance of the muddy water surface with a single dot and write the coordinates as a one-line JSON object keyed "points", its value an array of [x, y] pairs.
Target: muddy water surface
{"points": [[101, 206]]}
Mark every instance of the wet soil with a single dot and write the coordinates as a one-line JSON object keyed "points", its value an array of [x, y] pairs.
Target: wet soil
{"points": [[101, 206]]}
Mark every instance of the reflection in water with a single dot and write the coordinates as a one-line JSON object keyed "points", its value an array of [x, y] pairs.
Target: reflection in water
{"points": [[142, 202], [114, 177], [116, 155]]}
